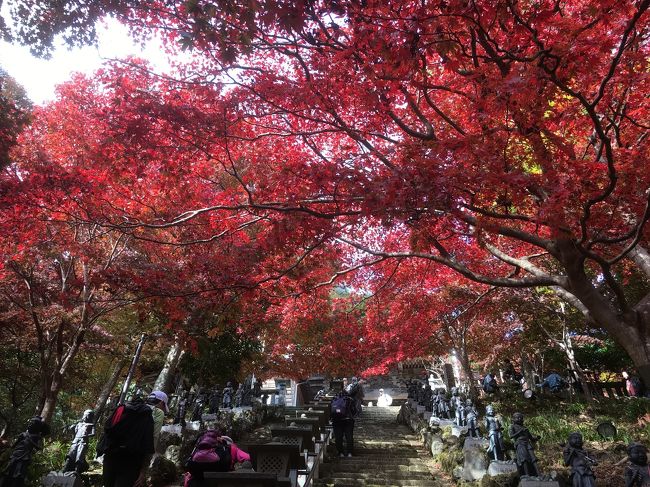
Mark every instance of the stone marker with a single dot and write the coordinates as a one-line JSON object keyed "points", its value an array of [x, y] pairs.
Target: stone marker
{"points": [[208, 417], [437, 445], [475, 463], [476, 443], [420, 409], [59, 479]]}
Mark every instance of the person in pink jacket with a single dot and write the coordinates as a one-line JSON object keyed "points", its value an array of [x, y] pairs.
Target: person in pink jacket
{"points": [[213, 452]]}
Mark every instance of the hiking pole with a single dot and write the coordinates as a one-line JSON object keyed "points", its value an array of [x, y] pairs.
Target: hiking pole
{"points": [[134, 363]]}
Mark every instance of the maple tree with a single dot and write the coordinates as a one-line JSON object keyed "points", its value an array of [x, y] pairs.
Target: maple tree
{"points": [[505, 140], [311, 142]]}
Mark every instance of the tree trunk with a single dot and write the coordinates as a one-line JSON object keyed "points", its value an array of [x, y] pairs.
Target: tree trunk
{"points": [[630, 327], [467, 370], [574, 366], [527, 371], [166, 375], [100, 405], [51, 396]]}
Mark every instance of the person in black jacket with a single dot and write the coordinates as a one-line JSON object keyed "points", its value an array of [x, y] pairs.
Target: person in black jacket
{"points": [[127, 445], [343, 414]]}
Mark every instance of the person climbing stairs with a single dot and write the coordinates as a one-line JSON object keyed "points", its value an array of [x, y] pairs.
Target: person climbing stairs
{"points": [[385, 453]]}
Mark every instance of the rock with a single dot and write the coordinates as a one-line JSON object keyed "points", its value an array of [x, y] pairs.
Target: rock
{"points": [[437, 445], [498, 467], [162, 472], [504, 480], [170, 434], [173, 454], [189, 440], [59, 479]]}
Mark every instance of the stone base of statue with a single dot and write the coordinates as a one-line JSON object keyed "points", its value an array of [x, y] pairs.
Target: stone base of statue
{"points": [[441, 423], [458, 431], [60, 479], [535, 482], [501, 467]]}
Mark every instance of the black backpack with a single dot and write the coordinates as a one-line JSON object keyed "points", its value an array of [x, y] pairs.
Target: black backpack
{"points": [[129, 431]]}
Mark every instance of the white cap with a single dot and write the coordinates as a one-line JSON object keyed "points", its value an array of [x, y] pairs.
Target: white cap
{"points": [[160, 396]]}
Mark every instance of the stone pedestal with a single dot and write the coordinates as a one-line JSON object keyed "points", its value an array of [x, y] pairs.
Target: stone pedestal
{"points": [[538, 483], [59, 479], [498, 467], [445, 422]]}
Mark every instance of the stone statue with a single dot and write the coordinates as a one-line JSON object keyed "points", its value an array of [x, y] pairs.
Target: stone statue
{"points": [[458, 407], [214, 402], [23, 451], [471, 419], [523, 440], [496, 450], [239, 396], [441, 405], [412, 389], [576, 457], [247, 392], [181, 411], [227, 396], [427, 398], [197, 411], [83, 430], [257, 388], [637, 473], [281, 398]]}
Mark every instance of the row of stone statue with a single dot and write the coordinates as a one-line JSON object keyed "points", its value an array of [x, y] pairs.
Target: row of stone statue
{"points": [[215, 399], [463, 413]]}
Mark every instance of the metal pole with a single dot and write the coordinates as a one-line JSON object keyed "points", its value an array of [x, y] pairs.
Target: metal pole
{"points": [[134, 363]]}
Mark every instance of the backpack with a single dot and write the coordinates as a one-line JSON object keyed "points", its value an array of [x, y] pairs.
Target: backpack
{"points": [[126, 429], [211, 454], [340, 408]]}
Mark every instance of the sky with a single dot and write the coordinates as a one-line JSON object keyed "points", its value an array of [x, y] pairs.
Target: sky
{"points": [[40, 76]]}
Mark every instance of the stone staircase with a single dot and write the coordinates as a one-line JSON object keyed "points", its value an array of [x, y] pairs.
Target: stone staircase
{"points": [[386, 454]]}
